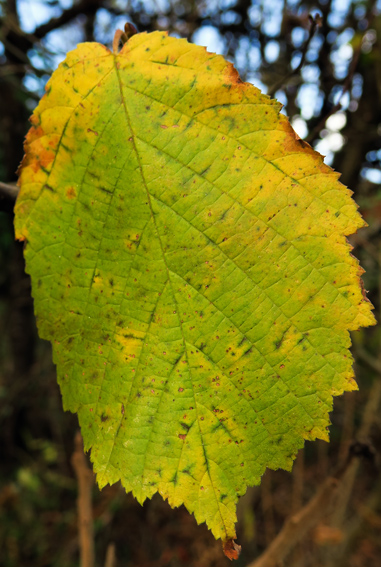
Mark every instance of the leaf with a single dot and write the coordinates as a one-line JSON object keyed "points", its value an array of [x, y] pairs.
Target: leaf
{"points": [[190, 267]]}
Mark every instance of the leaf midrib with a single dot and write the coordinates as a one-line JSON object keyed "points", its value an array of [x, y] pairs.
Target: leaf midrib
{"points": [[172, 290]]}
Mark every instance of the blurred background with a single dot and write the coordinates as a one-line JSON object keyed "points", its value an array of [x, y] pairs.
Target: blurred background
{"points": [[322, 60]]}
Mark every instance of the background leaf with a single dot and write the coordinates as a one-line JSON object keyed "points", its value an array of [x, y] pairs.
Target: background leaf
{"points": [[190, 267]]}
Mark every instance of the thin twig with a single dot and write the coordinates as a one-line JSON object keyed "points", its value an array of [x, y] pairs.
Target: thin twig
{"points": [[346, 85], [267, 507], [110, 555], [8, 191], [373, 363], [297, 499], [315, 23], [297, 482], [323, 460], [348, 426], [85, 515]]}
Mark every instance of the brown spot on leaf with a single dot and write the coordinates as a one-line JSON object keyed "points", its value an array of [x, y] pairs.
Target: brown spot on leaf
{"points": [[70, 193]]}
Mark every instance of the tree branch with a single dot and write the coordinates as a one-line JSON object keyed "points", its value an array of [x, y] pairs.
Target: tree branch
{"points": [[297, 526], [83, 7], [22, 41]]}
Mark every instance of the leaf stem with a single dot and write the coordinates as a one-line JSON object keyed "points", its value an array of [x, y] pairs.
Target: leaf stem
{"points": [[121, 37]]}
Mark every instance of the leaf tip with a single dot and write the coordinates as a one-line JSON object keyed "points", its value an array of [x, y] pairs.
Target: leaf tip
{"points": [[231, 549]]}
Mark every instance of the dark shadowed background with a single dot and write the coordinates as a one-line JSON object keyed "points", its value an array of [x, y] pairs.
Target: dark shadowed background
{"points": [[322, 60]]}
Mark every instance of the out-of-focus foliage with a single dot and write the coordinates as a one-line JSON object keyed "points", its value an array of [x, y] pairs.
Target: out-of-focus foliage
{"points": [[333, 100]]}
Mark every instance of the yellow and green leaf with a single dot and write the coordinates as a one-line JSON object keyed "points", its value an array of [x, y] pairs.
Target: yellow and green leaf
{"points": [[190, 267]]}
